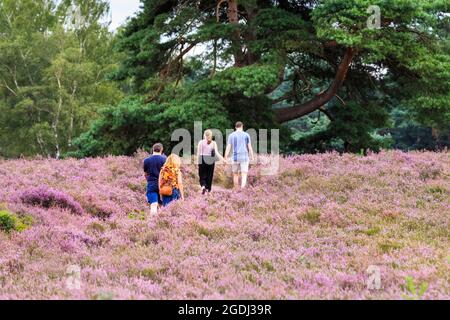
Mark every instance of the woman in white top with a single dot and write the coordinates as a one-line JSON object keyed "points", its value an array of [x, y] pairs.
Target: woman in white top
{"points": [[207, 155]]}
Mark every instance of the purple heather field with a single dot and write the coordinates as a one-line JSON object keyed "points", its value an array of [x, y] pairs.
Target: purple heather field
{"points": [[309, 232]]}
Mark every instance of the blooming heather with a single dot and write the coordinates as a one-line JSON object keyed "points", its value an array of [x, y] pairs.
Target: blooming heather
{"points": [[47, 197], [310, 232]]}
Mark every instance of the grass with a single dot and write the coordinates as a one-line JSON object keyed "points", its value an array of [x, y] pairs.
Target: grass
{"points": [[388, 246], [372, 231], [312, 216]]}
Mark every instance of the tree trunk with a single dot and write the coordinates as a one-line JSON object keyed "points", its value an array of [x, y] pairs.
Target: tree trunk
{"points": [[72, 115], [55, 122], [233, 18], [250, 35], [300, 110]]}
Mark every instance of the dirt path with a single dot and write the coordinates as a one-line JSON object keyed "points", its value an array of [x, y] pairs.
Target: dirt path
{"points": [[221, 189]]}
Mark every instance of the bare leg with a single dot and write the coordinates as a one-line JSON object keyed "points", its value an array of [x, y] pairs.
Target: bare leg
{"points": [[244, 180], [236, 180], [154, 208]]}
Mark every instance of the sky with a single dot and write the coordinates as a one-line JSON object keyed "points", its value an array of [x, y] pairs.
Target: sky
{"points": [[121, 10]]}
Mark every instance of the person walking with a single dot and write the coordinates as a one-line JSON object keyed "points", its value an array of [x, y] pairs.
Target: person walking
{"points": [[240, 143], [152, 169], [171, 180], [207, 156]]}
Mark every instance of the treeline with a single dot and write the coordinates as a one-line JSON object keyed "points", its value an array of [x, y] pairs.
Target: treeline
{"points": [[70, 87], [54, 62]]}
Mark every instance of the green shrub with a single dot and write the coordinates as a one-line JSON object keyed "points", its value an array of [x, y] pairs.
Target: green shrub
{"points": [[414, 292], [10, 222]]}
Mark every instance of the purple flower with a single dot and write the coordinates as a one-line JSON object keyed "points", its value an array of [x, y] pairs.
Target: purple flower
{"points": [[46, 197]]}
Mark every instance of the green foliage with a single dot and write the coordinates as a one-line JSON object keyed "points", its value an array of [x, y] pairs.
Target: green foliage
{"points": [[56, 73], [10, 222], [251, 81], [372, 231], [128, 120], [135, 124], [414, 293], [352, 129], [279, 29], [137, 215], [408, 134], [52, 75], [354, 123]]}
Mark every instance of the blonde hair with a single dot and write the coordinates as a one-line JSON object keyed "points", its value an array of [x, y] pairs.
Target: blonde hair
{"points": [[174, 161], [208, 135]]}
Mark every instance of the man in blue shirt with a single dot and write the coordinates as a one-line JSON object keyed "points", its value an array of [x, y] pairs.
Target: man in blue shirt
{"points": [[152, 168], [241, 144]]}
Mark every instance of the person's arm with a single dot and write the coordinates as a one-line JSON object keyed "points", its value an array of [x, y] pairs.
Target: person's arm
{"points": [[180, 184], [250, 150], [216, 149], [252, 153], [145, 171], [228, 150], [160, 182]]}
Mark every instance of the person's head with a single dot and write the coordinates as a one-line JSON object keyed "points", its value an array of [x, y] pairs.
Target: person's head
{"points": [[174, 161], [208, 136], [239, 126], [158, 148]]}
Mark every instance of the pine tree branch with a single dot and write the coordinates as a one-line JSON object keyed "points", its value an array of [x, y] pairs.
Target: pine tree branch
{"points": [[300, 110]]}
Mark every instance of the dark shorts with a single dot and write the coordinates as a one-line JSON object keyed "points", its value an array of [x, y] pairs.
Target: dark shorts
{"points": [[175, 196], [153, 194]]}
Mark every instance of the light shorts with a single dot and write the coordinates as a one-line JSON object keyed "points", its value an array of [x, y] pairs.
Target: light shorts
{"points": [[240, 167]]}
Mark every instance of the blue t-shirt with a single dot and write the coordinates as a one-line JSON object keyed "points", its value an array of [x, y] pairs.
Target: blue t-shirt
{"points": [[152, 166], [240, 140]]}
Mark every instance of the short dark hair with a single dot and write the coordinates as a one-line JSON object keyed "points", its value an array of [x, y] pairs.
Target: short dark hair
{"points": [[158, 147], [239, 125]]}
